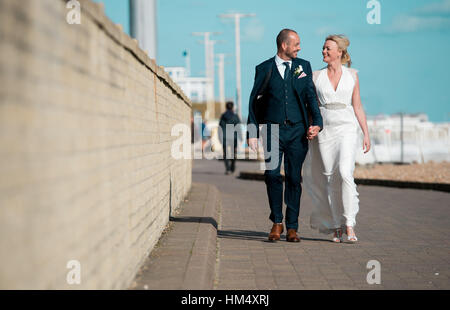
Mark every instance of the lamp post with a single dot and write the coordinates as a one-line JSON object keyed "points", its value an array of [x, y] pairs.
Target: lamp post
{"points": [[221, 74], [209, 71], [237, 17], [401, 137], [188, 62]]}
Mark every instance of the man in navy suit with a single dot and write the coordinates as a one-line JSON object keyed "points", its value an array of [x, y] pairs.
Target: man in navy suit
{"points": [[284, 97]]}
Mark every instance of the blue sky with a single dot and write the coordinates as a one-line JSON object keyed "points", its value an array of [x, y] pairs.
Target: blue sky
{"points": [[402, 62]]}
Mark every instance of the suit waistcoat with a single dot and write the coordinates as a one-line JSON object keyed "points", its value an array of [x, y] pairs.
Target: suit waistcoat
{"points": [[281, 101]]}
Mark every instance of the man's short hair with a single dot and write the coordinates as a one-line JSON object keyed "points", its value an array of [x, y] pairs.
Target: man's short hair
{"points": [[229, 105], [283, 36]]}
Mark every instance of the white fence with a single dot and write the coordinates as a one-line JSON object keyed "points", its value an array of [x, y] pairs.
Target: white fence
{"points": [[423, 141], [420, 141]]}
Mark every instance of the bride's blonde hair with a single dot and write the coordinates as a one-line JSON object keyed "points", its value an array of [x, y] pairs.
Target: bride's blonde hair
{"points": [[343, 42]]}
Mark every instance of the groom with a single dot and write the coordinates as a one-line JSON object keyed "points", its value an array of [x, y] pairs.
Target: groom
{"points": [[284, 95]]}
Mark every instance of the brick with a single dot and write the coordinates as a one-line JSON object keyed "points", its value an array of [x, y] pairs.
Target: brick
{"points": [[85, 143]]}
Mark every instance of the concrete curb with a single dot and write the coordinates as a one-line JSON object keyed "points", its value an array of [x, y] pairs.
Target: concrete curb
{"points": [[200, 270], [185, 256], [443, 187]]}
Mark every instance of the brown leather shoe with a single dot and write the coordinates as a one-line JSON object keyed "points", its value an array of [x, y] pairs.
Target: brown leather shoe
{"points": [[275, 233], [292, 236]]}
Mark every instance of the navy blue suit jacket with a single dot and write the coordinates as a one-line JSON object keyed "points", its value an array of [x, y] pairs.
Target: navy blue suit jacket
{"points": [[304, 89]]}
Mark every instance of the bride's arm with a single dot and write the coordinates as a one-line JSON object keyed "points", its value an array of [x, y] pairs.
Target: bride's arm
{"points": [[360, 115]]}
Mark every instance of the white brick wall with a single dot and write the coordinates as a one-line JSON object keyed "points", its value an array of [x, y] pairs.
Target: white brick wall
{"points": [[85, 169]]}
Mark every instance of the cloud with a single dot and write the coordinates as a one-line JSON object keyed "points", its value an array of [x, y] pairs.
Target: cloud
{"points": [[437, 8], [431, 17], [408, 23]]}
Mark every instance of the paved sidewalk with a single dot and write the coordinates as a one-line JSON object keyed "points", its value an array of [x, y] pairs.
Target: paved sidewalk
{"points": [[185, 256], [405, 230]]}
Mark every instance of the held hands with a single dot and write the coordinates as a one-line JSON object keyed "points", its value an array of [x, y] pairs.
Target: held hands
{"points": [[313, 131]]}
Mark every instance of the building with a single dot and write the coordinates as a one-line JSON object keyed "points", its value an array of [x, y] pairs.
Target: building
{"points": [[195, 88]]}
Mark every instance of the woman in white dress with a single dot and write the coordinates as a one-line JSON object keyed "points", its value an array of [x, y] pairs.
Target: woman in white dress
{"points": [[329, 166]]}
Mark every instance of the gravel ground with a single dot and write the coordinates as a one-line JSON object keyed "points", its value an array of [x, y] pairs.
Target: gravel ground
{"points": [[429, 172]]}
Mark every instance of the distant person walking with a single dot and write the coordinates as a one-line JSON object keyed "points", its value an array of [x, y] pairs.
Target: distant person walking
{"points": [[229, 143]]}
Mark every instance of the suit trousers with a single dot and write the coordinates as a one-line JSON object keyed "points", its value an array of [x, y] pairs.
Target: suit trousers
{"points": [[293, 145]]}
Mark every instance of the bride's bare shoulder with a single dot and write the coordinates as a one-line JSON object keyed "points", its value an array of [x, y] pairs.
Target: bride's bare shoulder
{"points": [[353, 72], [316, 73]]}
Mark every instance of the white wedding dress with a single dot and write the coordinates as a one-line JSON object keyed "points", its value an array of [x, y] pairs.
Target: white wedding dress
{"points": [[329, 164]]}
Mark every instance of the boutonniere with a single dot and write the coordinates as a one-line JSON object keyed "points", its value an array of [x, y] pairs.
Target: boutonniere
{"points": [[299, 73], [298, 70]]}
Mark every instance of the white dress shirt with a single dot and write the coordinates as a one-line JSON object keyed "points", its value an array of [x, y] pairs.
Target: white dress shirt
{"points": [[280, 65]]}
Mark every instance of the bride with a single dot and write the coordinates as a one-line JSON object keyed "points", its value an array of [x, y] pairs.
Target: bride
{"points": [[330, 162]]}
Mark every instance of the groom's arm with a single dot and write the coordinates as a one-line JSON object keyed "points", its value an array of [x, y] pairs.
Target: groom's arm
{"points": [[311, 97], [251, 109]]}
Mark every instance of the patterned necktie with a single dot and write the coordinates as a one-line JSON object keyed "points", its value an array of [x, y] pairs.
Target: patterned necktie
{"points": [[287, 70]]}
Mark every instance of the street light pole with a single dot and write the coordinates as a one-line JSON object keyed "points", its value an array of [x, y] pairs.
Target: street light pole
{"points": [[237, 34], [237, 17], [221, 74], [212, 67], [401, 137], [206, 42], [209, 72], [187, 57]]}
